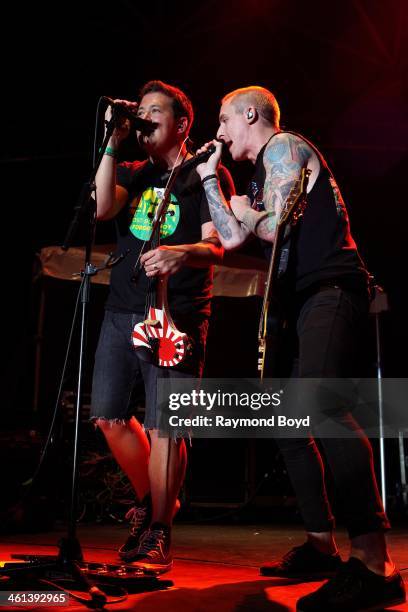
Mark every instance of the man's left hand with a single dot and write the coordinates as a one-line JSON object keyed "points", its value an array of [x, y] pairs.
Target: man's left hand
{"points": [[163, 260], [240, 205]]}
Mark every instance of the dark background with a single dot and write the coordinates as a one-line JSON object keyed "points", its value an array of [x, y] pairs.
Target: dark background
{"points": [[338, 70]]}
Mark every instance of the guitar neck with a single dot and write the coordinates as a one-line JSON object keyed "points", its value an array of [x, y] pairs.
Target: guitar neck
{"points": [[271, 276]]}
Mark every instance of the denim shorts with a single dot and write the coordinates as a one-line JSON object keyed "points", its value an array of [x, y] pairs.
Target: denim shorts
{"points": [[118, 370]]}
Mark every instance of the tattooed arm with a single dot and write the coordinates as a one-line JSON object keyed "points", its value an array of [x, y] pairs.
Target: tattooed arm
{"points": [[231, 232], [283, 159]]}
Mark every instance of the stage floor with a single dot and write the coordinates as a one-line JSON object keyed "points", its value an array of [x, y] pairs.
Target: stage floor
{"points": [[215, 566]]}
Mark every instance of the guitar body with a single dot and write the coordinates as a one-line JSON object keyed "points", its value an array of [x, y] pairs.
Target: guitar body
{"points": [[157, 339]]}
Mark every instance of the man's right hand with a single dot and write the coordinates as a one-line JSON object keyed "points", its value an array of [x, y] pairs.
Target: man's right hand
{"points": [[211, 165], [122, 127]]}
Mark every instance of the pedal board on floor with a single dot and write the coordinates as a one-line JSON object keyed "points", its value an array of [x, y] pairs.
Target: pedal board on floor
{"points": [[123, 572], [92, 569]]}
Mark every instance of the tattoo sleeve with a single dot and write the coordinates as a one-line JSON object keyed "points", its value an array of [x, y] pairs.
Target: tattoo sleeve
{"points": [[253, 218], [284, 158], [249, 219], [223, 218]]}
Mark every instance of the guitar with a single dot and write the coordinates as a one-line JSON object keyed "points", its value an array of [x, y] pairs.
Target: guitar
{"points": [[270, 323], [157, 339]]}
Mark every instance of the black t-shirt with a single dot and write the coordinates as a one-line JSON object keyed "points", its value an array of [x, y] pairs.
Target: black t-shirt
{"points": [[322, 247], [189, 289]]}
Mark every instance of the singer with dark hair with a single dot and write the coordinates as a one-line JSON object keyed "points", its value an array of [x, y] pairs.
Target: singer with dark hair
{"points": [[130, 192], [180, 103], [325, 301]]}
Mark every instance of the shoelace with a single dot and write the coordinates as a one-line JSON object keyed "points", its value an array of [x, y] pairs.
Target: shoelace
{"points": [[136, 515], [152, 541]]}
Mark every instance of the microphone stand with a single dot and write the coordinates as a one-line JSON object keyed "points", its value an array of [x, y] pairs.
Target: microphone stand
{"points": [[69, 560]]}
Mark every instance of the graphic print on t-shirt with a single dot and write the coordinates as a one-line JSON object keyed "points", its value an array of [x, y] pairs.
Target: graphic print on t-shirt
{"points": [[142, 221]]}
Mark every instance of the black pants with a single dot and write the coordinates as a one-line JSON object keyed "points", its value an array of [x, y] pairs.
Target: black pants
{"points": [[327, 323]]}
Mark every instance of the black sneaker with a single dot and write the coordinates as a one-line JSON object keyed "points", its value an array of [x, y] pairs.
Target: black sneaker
{"points": [[139, 517], [303, 561], [154, 550], [355, 588]]}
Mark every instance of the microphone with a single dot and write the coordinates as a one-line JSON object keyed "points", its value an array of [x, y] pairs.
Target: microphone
{"points": [[202, 157], [144, 125], [199, 159]]}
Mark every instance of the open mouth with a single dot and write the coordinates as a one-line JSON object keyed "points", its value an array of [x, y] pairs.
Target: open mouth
{"points": [[144, 137]]}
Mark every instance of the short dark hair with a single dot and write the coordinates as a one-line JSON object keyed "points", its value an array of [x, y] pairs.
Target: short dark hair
{"points": [[181, 104]]}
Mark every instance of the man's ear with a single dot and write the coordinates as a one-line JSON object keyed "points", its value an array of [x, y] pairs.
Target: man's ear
{"points": [[251, 115], [182, 125]]}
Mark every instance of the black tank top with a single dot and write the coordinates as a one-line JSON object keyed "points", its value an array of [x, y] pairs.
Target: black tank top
{"points": [[322, 248]]}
